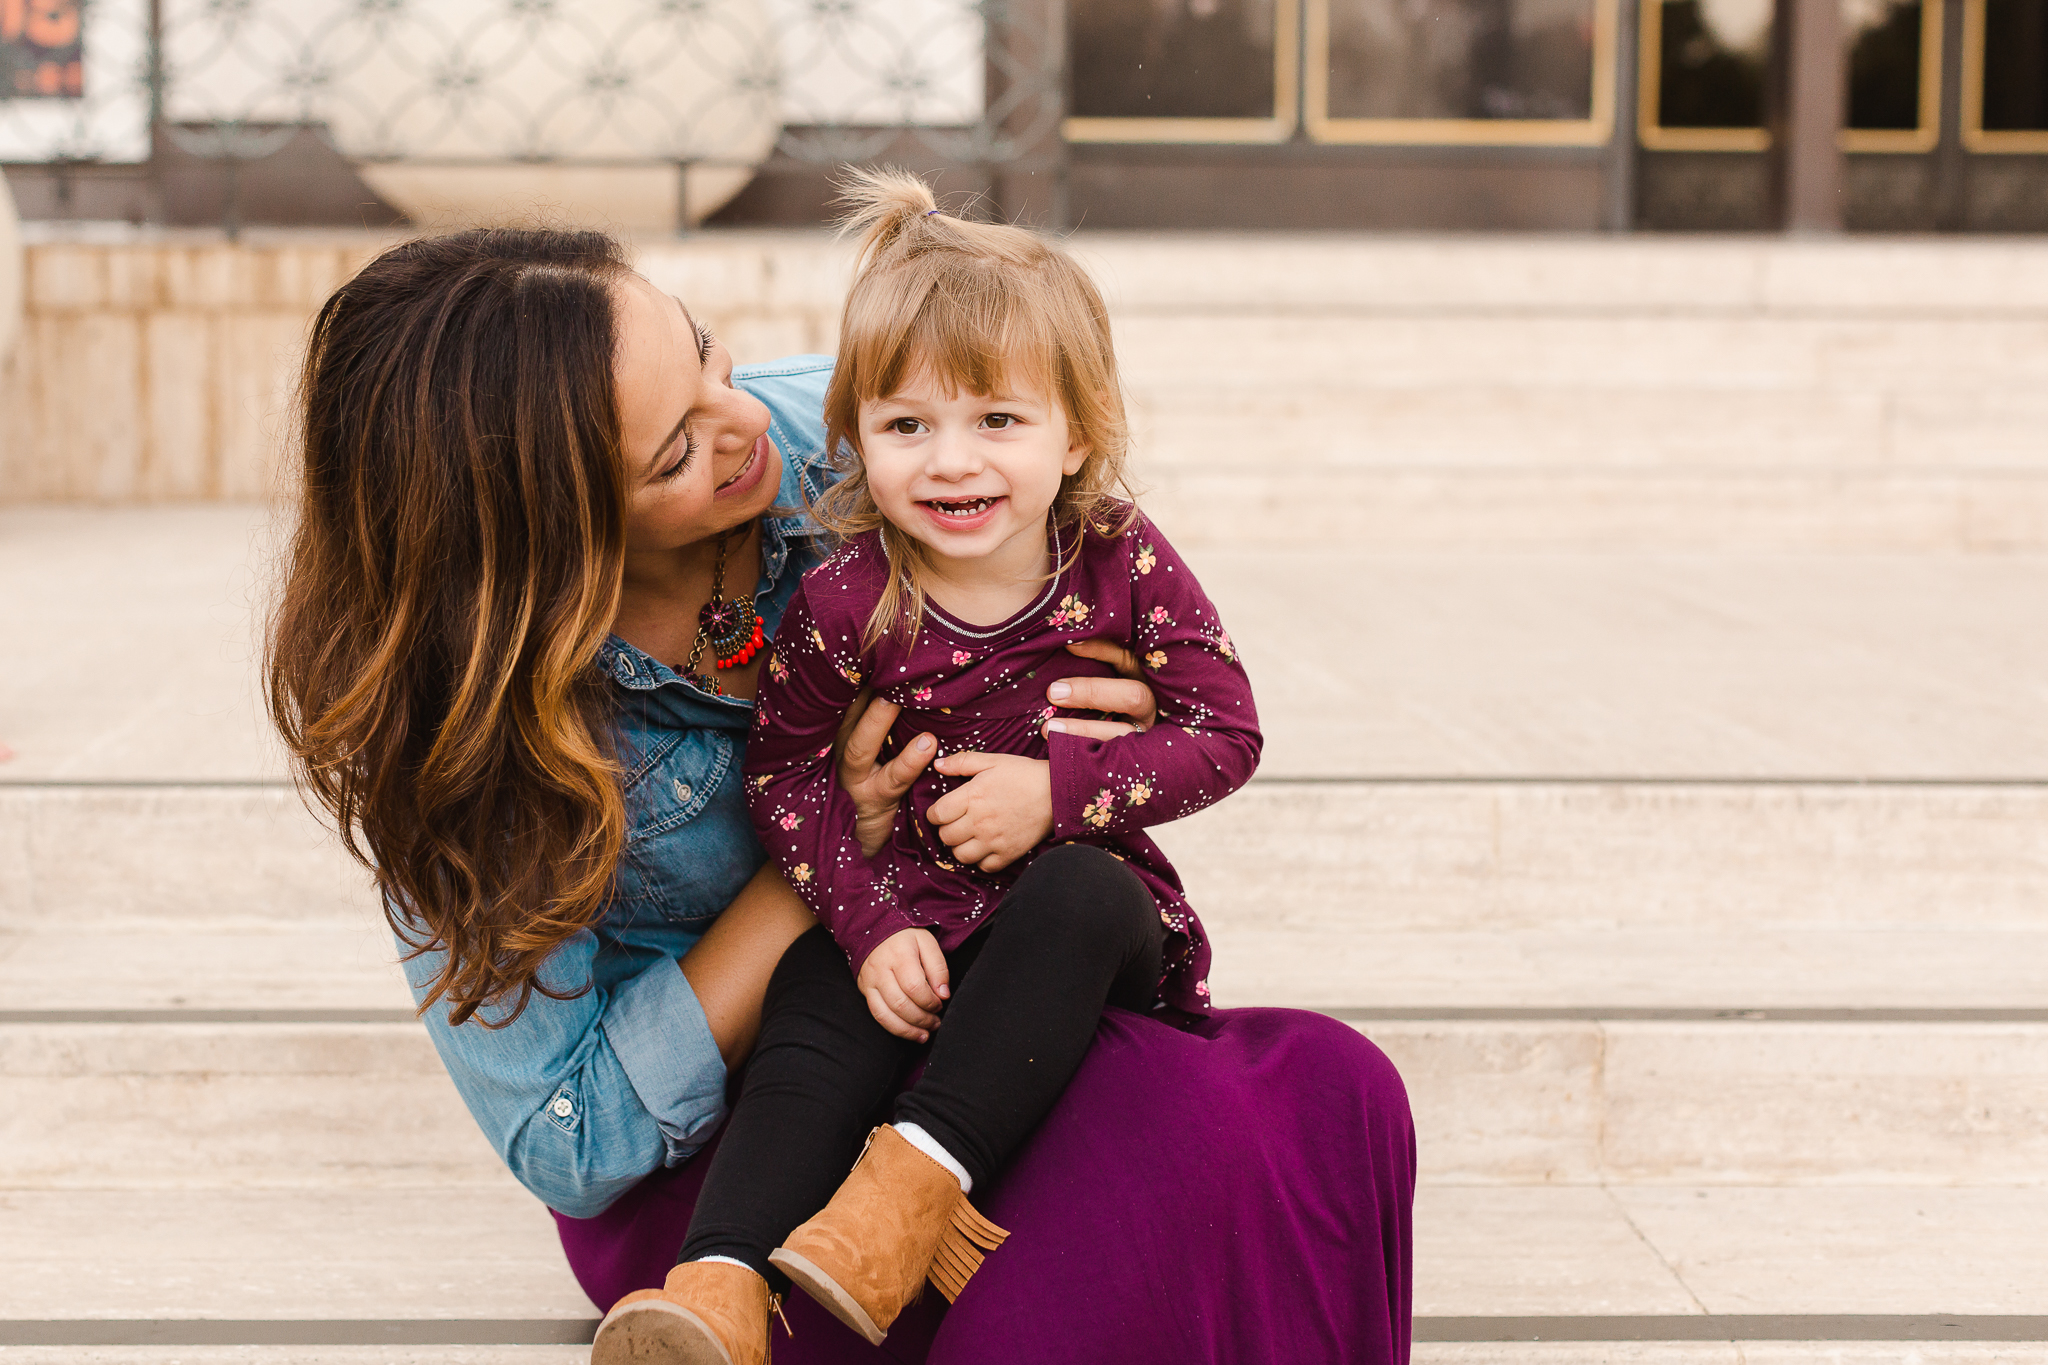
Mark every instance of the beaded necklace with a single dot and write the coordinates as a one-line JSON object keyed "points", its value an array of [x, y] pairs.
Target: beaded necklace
{"points": [[731, 625]]}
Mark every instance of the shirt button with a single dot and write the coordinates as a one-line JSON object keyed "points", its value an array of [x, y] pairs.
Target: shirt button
{"points": [[682, 791], [563, 1106]]}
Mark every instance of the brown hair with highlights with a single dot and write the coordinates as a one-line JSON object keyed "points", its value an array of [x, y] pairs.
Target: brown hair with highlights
{"points": [[973, 306], [456, 565]]}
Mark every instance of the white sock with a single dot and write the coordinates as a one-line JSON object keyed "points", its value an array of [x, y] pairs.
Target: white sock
{"points": [[929, 1145], [724, 1260]]}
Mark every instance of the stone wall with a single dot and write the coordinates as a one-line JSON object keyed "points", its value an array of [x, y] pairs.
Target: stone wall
{"points": [[159, 367]]}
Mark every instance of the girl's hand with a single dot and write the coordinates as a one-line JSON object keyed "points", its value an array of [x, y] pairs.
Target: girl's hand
{"points": [[905, 982], [1003, 812], [1123, 696], [876, 787]]}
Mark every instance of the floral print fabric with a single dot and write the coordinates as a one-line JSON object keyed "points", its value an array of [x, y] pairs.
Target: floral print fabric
{"points": [[982, 689]]}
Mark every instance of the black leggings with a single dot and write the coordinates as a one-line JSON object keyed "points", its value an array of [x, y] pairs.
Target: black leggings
{"points": [[1078, 931]]}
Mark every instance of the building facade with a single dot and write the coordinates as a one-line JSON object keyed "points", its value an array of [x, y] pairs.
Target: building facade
{"points": [[1559, 115]]}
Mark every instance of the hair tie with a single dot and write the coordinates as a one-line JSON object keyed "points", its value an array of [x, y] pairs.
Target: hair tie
{"points": [[929, 212]]}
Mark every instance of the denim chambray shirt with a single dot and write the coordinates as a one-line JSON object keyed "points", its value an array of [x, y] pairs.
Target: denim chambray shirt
{"points": [[584, 1097]]}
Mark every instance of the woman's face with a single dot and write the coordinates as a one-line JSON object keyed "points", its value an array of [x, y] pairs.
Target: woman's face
{"points": [[698, 457]]}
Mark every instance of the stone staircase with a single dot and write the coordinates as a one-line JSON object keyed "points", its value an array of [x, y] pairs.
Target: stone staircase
{"points": [[1647, 636]]}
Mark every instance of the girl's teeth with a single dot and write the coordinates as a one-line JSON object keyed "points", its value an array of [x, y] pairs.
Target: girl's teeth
{"points": [[954, 509]]}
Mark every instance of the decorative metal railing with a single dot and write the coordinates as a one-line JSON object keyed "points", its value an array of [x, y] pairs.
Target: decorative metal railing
{"points": [[740, 84]]}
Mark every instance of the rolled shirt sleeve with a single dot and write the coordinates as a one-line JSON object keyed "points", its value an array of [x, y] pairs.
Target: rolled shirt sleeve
{"points": [[583, 1096]]}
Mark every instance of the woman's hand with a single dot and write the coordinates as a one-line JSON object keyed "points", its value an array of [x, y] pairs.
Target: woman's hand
{"points": [[905, 982], [1127, 695], [1002, 813], [876, 787]]}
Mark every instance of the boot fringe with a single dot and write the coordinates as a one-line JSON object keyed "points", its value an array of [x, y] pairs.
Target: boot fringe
{"points": [[959, 1253]]}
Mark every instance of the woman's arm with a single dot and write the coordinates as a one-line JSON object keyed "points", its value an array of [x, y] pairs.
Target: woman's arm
{"points": [[729, 967], [587, 1091]]}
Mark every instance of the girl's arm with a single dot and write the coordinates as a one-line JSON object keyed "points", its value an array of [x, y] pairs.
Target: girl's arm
{"points": [[805, 818], [1206, 741]]}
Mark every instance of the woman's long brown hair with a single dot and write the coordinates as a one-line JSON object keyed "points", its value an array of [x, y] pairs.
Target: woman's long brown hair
{"points": [[456, 565]]}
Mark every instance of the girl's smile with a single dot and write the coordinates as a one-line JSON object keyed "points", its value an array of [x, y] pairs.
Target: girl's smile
{"points": [[963, 514]]}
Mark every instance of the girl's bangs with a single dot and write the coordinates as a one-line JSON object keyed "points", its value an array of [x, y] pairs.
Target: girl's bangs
{"points": [[980, 341]]}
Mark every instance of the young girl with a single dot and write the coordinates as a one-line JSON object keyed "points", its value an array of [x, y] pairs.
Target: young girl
{"points": [[1016, 894]]}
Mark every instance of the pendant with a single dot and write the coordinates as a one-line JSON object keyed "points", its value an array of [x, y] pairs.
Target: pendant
{"points": [[732, 629]]}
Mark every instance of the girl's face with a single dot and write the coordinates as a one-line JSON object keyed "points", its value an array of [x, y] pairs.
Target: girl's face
{"points": [[969, 475], [698, 457]]}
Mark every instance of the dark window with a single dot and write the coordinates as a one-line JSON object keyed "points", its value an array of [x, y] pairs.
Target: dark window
{"points": [[1172, 58], [1711, 63], [2015, 66], [1884, 64], [1461, 59]]}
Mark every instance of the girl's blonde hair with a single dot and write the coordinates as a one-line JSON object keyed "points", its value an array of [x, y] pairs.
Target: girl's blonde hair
{"points": [[974, 307]]}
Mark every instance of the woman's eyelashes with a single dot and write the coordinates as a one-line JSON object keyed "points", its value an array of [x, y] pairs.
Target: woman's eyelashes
{"points": [[706, 344], [682, 461]]}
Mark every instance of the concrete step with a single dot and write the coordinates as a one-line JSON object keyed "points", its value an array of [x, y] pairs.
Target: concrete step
{"points": [[1537, 664], [1581, 427], [1146, 273], [1242, 353], [1525, 1340], [1389, 894], [1938, 512], [139, 1102], [241, 1265]]}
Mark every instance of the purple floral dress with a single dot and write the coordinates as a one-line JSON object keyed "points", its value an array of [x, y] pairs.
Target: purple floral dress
{"points": [[982, 689]]}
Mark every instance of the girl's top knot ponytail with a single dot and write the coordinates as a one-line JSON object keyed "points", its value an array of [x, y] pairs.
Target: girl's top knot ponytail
{"points": [[887, 208]]}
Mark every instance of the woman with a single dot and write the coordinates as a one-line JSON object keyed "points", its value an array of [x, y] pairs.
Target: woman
{"points": [[526, 473]]}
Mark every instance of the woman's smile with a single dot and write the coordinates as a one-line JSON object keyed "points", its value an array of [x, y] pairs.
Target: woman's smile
{"points": [[748, 476]]}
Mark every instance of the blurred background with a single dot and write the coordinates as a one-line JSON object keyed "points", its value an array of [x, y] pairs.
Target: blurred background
{"points": [[1390, 114]]}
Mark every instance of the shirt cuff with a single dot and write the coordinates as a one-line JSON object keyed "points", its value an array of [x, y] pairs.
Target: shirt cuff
{"points": [[1075, 764], [858, 947], [658, 1031]]}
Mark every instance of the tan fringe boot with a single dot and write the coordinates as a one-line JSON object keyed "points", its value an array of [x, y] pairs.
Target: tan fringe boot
{"points": [[706, 1313], [898, 1218]]}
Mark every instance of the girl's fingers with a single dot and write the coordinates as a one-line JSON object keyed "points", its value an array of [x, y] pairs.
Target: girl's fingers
{"points": [[946, 809], [971, 851], [886, 1017], [1090, 729], [936, 972], [903, 1007], [920, 995]]}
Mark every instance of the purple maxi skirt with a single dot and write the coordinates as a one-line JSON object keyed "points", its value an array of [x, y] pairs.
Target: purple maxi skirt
{"points": [[1235, 1194]]}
